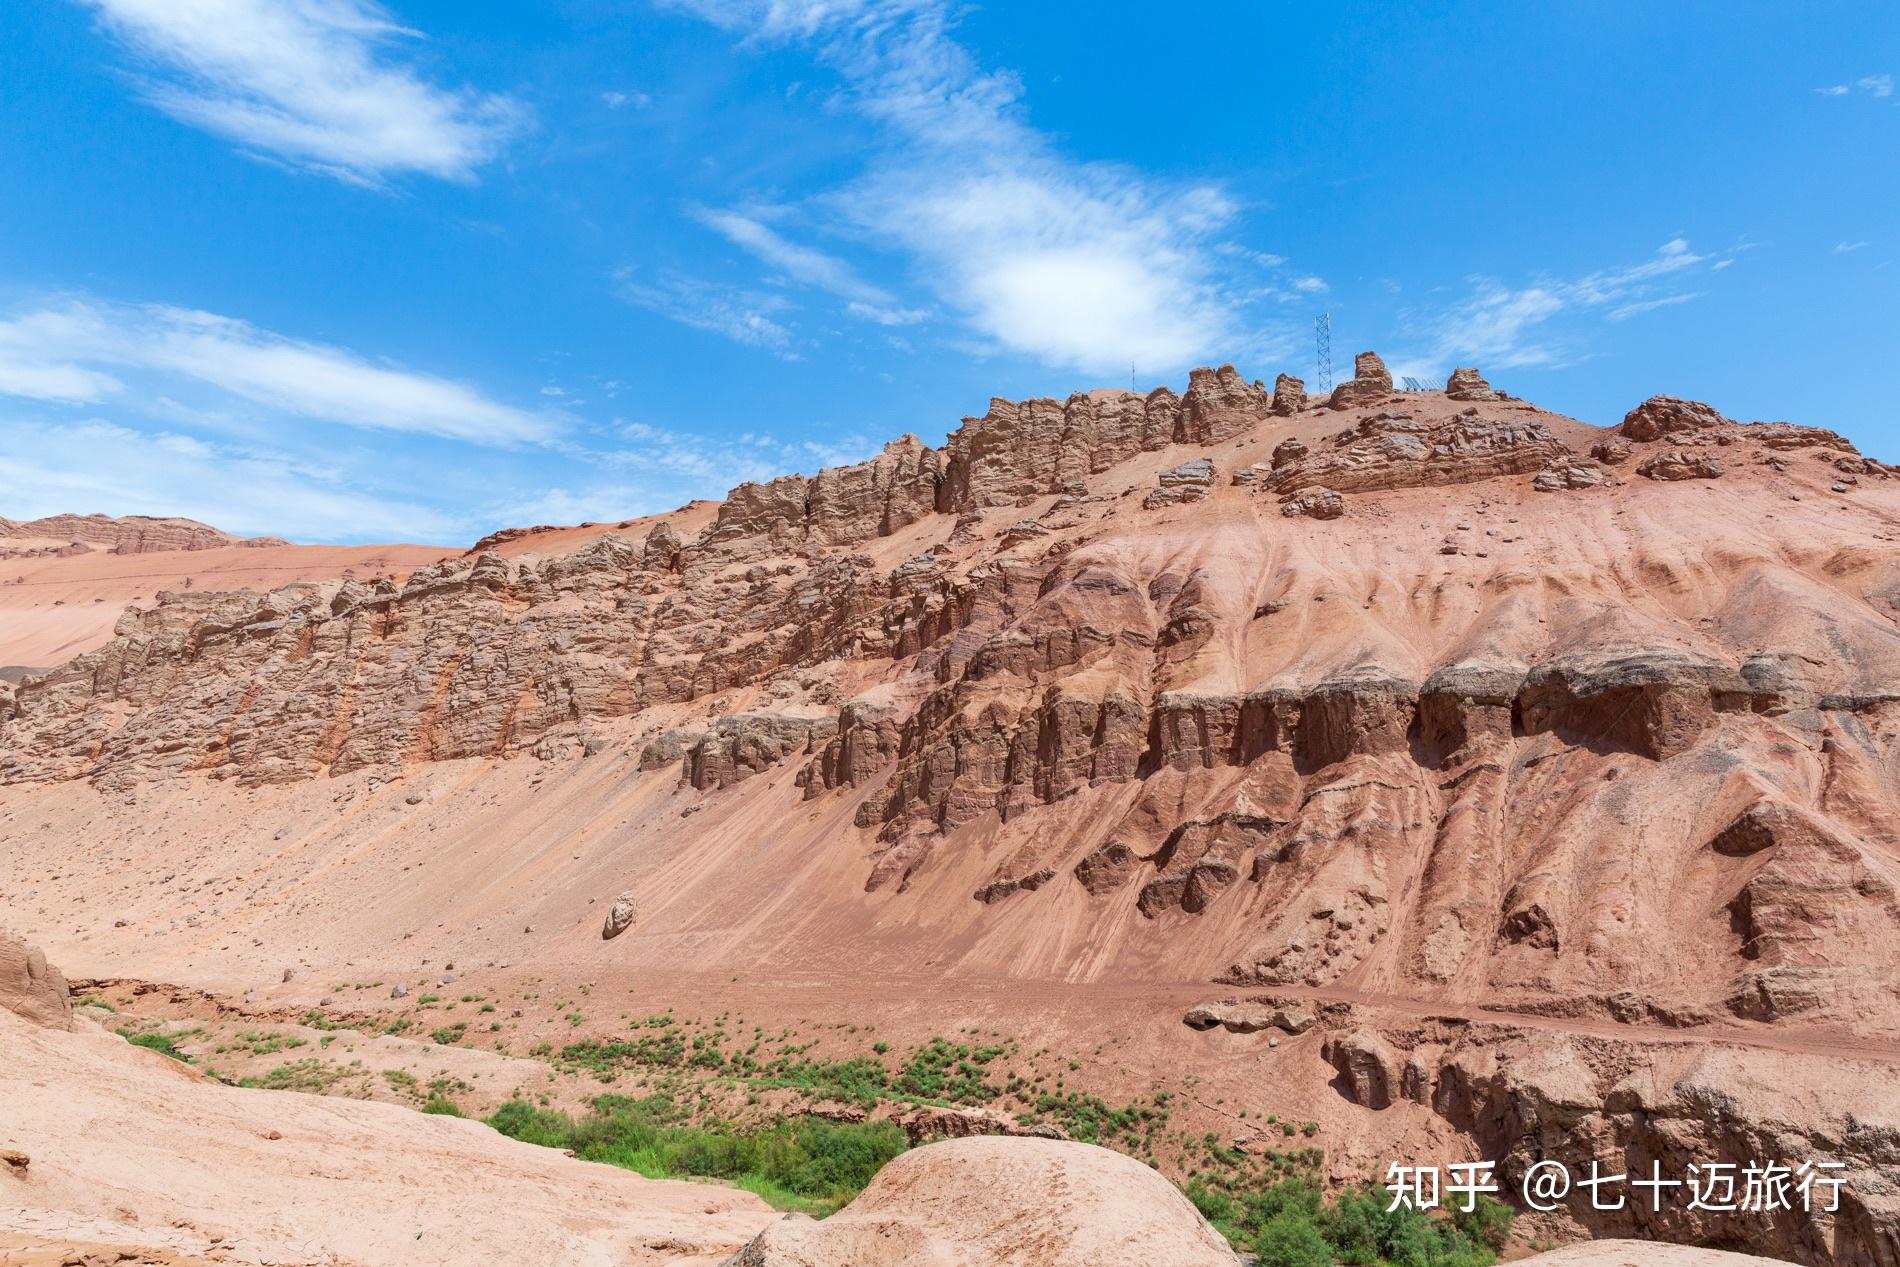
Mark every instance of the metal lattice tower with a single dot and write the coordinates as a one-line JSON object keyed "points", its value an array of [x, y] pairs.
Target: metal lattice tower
{"points": [[1323, 337]]}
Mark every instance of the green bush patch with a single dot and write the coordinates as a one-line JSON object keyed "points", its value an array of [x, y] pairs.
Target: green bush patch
{"points": [[800, 1164]]}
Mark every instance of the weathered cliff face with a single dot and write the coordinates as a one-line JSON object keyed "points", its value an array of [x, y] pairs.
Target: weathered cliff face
{"points": [[1421, 702], [474, 657]]}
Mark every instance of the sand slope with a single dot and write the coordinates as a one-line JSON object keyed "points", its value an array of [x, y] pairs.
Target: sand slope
{"points": [[130, 1148]]}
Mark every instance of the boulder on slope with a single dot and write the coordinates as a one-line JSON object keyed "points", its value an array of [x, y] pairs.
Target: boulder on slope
{"points": [[619, 917]]}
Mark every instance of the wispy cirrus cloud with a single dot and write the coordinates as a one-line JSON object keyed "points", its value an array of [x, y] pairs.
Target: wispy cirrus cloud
{"points": [[1082, 265], [1510, 327], [315, 83], [740, 313], [80, 350], [1636, 307], [807, 265]]}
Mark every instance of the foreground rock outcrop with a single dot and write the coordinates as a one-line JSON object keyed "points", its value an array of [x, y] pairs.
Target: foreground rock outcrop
{"points": [[1001, 1203], [1629, 1253], [31, 988], [131, 1149]]}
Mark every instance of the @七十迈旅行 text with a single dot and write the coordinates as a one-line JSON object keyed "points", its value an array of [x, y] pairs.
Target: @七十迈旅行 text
{"points": [[1729, 1187]]}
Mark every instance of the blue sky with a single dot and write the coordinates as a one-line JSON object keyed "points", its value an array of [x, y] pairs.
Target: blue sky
{"points": [[352, 272]]}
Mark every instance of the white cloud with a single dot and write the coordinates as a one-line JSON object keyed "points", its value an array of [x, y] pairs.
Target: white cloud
{"points": [[713, 466], [1081, 265], [1506, 327], [1872, 85], [615, 100], [52, 468], [59, 382], [741, 314], [1636, 307], [1844, 247], [310, 82], [75, 350], [812, 267]]}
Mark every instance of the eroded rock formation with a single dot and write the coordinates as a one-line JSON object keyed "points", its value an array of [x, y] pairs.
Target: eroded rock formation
{"points": [[1370, 383], [1681, 464], [129, 534], [1289, 396], [1396, 450], [1466, 383], [1661, 416]]}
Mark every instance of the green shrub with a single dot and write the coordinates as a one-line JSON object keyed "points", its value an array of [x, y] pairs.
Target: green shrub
{"points": [[443, 1106], [1289, 1223], [1291, 1240], [160, 1043], [803, 1163], [1487, 1223], [1216, 1206]]}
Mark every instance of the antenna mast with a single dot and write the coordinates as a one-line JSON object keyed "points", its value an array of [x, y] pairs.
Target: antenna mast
{"points": [[1323, 350]]}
